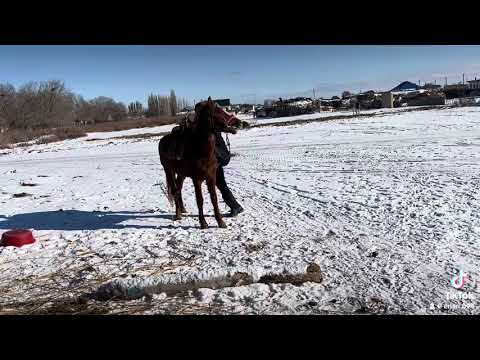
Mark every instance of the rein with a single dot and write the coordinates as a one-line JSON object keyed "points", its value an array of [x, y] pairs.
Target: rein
{"points": [[228, 142]]}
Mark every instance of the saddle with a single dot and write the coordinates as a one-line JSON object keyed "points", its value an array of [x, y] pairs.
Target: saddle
{"points": [[176, 148]]}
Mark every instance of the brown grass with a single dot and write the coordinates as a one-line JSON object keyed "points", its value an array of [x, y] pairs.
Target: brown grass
{"points": [[45, 136], [131, 124], [68, 133], [17, 136], [141, 136]]}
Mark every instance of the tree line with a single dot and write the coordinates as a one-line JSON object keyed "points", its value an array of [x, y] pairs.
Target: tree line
{"points": [[49, 104], [165, 105]]}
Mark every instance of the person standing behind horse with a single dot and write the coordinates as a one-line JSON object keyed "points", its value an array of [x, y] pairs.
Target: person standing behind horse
{"points": [[223, 158]]}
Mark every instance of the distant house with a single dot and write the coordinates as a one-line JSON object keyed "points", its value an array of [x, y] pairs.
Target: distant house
{"points": [[333, 103], [387, 100], [455, 91], [429, 86], [426, 99], [185, 110], [224, 104], [474, 84], [458, 86], [367, 95], [405, 86]]}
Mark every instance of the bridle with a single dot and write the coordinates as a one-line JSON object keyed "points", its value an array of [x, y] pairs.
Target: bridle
{"points": [[227, 117], [217, 112]]}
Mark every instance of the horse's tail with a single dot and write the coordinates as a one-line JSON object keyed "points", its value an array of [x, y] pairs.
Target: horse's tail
{"points": [[168, 191]]}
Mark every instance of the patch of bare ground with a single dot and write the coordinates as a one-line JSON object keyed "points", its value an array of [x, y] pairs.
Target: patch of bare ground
{"points": [[312, 274], [22, 194], [28, 184]]}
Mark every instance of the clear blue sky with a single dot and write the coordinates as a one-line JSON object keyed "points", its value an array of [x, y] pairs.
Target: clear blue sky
{"points": [[242, 73]]}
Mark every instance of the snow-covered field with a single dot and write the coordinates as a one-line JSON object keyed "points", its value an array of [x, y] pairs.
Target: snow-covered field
{"points": [[387, 206], [319, 115]]}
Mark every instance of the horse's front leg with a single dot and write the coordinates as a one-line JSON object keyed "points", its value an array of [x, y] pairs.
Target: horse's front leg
{"points": [[211, 184], [180, 179], [198, 193]]}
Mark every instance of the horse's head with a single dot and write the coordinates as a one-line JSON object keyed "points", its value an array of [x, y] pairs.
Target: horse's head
{"points": [[211, 116]]}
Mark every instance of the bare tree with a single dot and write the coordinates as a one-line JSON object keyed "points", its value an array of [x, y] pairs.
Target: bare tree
{"points": [[164, 105], [106, 109], [42, 105], [7, 106], [49, 104], [84, 111], [153, 105], [173, 103], [135, 108]]}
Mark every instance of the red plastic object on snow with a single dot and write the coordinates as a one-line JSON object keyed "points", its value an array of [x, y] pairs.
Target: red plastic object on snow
{"points": [[17, 238]]}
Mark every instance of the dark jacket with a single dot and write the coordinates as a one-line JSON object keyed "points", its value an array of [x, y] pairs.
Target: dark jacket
{"points": [[223, 155]]}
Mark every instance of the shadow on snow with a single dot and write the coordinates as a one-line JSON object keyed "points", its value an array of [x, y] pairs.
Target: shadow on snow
{"points": [[87, 220]]}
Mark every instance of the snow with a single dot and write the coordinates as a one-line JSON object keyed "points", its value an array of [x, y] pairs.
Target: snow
{"points": [[387, 206], [318, 115], [301, 103]]}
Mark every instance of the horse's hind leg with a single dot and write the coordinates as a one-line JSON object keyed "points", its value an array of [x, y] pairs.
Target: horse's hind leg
{"points": [[180, 180], [198, 194], [213, 197]]}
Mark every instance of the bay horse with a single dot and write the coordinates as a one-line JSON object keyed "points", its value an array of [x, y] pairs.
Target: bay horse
{"points": [[198, 161]]}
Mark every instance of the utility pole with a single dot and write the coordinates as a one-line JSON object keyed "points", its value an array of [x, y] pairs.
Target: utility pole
{"points": [[315, 99], [445, 81], [463, 78]]}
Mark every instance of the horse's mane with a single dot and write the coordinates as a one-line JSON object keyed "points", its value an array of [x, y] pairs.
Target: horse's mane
{"points": [[201, 111]]}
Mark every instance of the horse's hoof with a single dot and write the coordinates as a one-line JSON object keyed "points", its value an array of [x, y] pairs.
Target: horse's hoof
{"points": [[203, 226], [177, 218], [183, 211], [222, 225]]}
